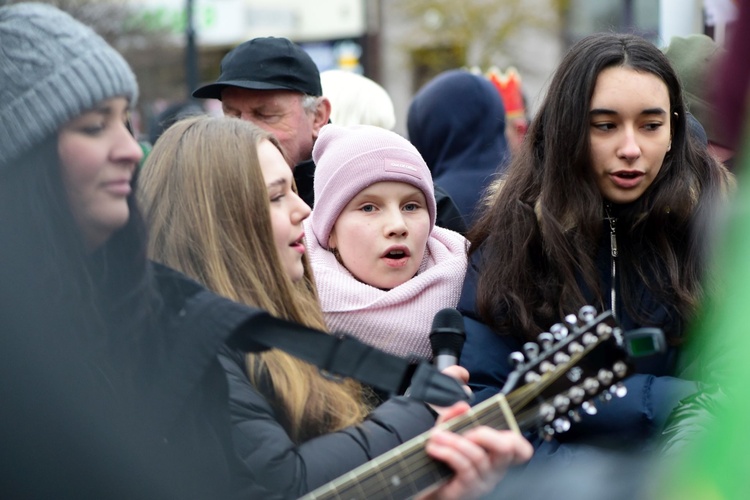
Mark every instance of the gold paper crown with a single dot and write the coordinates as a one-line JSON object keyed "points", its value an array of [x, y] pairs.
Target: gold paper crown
{"points": [[509, 86]]}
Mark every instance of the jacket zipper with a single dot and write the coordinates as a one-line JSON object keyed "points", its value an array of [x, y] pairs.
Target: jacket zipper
{"points": [[613, 245]]}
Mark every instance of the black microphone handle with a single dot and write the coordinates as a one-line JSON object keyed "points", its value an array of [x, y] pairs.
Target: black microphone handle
{"points": [[447, 338]]}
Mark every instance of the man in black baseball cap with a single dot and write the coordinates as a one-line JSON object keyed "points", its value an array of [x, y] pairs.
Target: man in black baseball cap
{"points": [[274, 83]]}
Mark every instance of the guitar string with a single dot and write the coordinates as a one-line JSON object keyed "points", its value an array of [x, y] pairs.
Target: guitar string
{"points": [[417, 460], [418, 465]]}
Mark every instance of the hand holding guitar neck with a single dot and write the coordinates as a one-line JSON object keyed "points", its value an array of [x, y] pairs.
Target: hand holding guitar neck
{"points": [[477, 458], [578, 361]]}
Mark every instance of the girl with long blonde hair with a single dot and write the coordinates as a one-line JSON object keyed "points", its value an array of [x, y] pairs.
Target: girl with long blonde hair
{"points": [[211, 227]]}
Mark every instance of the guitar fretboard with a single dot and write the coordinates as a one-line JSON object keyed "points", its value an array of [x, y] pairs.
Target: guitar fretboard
{"points": [[407, 469]]}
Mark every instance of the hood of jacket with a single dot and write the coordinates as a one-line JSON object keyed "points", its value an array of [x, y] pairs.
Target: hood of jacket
{"points": [[457, 122]]}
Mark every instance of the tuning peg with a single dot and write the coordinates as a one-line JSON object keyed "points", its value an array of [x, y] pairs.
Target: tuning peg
{"points": [[603, 330], [546, 367], [619, 390], [516, 359], [545, 339], [576, 394], [587, 313], [561, 403], [531, 349], [547, 412], [571, 320], [560, 358], [561, 424], [589, 339], [574, 415], [591, 385], [559, 331], [575, 347], [532, 377], [547, 432], [589, 407], [605, 376], [620, 369], [575, 374], [605, 397]]}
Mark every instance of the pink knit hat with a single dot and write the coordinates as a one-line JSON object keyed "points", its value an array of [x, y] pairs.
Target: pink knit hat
{"points": [[350, 159]]}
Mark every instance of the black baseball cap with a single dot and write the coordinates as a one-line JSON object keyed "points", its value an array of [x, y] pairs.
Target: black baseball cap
{"points": [[267, 63]]}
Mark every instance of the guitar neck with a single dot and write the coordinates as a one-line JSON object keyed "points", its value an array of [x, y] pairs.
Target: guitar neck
{"points": [[543, 393], [407, 469]]}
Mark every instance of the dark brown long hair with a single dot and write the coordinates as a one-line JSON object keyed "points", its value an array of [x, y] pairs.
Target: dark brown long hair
{"points": [[105, 300], [541, 231]]}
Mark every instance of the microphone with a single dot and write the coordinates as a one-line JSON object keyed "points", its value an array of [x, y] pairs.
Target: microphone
{"points": [[447, 338]]}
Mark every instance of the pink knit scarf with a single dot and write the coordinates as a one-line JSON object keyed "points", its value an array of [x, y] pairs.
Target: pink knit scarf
{"points": [[397, 321]]}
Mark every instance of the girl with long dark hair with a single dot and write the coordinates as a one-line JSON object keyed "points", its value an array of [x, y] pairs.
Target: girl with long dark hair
{"points": [[607, 204]]}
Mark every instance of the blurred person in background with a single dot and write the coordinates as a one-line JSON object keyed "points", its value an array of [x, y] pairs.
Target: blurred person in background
{"points": [[357, 100], [508, 83], [171, 114], [695, 58], [457, 122]]}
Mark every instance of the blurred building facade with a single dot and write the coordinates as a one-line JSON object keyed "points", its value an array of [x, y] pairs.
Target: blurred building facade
{"points": [[378, 38]]}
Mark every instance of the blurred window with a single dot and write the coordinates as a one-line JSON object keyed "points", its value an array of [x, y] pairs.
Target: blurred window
{"points": [[624, 16]]}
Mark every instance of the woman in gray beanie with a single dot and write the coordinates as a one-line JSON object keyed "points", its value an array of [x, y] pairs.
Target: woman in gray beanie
{"points": [[111, 385]]}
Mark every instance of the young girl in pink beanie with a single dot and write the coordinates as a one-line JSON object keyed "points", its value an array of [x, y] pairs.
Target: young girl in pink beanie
{"points": [[382, 267]]}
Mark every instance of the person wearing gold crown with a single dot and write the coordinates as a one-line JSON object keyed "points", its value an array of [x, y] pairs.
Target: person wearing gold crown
{"points": [[508, 84]]}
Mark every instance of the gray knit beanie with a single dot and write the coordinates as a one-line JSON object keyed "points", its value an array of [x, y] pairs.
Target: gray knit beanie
{"points": [[52, 69]]}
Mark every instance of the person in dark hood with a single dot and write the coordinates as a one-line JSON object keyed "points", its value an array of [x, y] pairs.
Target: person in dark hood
{"points": [[457, 122]]}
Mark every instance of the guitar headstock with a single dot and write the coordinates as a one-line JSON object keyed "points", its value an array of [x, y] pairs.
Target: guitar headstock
{"points": [[561, 375], [577, 361]]}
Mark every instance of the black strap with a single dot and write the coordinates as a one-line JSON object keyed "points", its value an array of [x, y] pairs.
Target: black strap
{"points": [[255, 330], [344, 356]]}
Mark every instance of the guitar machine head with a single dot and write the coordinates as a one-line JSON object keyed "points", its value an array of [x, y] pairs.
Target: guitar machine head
{"points": [[583, 358]]}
